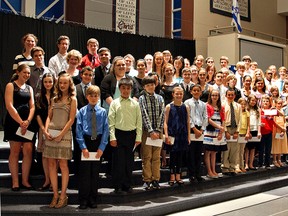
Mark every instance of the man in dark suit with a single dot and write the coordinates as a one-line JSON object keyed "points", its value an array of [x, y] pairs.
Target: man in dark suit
{"points": [[101, 71]]}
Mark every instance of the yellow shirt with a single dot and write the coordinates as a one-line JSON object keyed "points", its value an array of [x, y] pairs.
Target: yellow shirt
{"points": [[125, 115], [244, 122]]}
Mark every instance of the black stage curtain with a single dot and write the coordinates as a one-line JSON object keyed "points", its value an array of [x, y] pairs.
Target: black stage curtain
{"points": [[13, 28]]}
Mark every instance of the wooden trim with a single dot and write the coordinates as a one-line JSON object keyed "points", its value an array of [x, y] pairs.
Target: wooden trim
{"points": [[168, 22], [187, 22], [75, 11]]}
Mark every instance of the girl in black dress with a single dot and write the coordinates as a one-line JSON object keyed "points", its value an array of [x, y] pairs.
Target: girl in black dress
{"points": [[19, 100]]}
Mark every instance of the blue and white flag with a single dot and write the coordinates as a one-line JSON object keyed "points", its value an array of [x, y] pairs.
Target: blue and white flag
{"points": [[236, 15]]}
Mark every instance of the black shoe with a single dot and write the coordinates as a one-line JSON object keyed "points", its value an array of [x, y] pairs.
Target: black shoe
{"points": [[118, 192], [252, 168], [233, 174], [93, 205], [192, 179], [15, 189], [155, 184], [180, 182], [44, 188], [226, 173], [27, 187], [128, 190], [83, 206], [200, 179], [147, 185], [268, 167], [171, 183]]}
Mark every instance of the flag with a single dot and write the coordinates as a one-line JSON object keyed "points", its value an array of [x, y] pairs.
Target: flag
{"points": [[236, 16]]}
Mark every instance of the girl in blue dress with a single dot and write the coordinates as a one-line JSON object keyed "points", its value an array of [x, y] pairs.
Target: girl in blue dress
{"points": [[177, 135]]}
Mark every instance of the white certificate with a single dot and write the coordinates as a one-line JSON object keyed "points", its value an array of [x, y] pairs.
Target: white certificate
{"points": [[231, 139], [254, 139], [277, 136], [92, 157], [54, 133], [155, 142], [272, 112], [218, 142], [242, 140], [28, 135], [192, 137]]}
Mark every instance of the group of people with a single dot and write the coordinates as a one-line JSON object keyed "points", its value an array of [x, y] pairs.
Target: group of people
{"points": [[163, 106]]}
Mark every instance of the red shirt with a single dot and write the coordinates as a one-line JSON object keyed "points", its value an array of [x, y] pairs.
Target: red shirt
{"points": [[87, 61], [268, 123]]}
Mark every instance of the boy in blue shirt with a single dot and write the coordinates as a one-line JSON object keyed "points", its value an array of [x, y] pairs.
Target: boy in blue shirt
{"points": [[92, 136]]}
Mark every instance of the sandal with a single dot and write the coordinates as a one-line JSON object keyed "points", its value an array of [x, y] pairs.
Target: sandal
{"points": [[54, 202], [179, 182], [62, 202], [171, 182]]}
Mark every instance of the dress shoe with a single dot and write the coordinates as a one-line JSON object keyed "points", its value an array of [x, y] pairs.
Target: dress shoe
{"points": [[128, 190], [192, 179], [93, 205], [27, 187], [118, 191], [200, 179], [83, 206], [252, 168], [44, 188], [15, 189], [233, 173]]}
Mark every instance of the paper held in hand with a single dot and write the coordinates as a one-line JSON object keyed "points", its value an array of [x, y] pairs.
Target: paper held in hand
{"points": [[155, 142], [92, 157], [272, 112], [278, 136], [28, 135], [54, 133], [193, 138]]}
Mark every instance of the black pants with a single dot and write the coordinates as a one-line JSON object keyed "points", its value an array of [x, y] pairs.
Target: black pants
{"points": [[123, 159], [89, 174], [194, 157]]}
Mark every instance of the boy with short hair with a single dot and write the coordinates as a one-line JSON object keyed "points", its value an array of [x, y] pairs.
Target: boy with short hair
{"points": [[232, 126], [152, 108], [92, 136], [186, 83], [125, 125], [198, 123], [231, 81]]}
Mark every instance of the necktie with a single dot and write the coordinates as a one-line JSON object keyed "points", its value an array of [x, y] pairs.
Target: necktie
{"points": [[93, 60], [187, 89], [197, 113], [85, 88], [233, 121], [94, 125], [281, 85], [241, 82]]}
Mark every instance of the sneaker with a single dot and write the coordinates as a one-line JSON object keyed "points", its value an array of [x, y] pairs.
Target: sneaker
{"points": [[147, 185], [155, 184]]}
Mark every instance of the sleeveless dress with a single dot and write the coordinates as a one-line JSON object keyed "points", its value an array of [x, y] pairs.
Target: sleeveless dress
{"points": [[177, 128], [62, 149], [21, 98], [42, 111], [211, 133], [279, 146]]}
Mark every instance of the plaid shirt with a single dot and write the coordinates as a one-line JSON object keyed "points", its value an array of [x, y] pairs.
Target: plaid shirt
{"points": [[152, 109]]}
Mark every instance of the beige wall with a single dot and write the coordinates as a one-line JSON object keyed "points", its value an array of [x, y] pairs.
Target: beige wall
{"points": [[264, 18], [98, 14]]}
